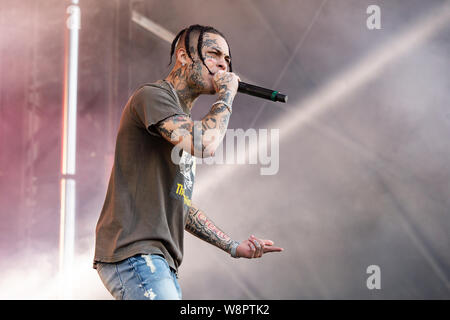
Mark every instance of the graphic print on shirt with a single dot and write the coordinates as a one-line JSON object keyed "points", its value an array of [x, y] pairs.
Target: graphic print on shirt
{"points": [[184, 180]]}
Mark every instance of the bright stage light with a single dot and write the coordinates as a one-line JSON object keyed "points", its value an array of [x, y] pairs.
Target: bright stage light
{"points": [[68, 166]]}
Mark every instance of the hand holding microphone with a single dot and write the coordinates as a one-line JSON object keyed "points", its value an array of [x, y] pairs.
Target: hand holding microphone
{"points": [[226, 81]]}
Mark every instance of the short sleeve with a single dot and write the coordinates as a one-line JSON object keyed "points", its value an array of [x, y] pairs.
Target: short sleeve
{"points": [[154, 104]]}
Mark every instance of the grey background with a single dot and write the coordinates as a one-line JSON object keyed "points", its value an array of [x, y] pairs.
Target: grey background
{"points": [[364, 181]]}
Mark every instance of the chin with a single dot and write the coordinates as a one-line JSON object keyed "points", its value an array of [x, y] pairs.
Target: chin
{"points": [[209, 88]]}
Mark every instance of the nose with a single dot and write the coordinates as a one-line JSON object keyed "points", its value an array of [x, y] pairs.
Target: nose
{"points": [[221, 64]]}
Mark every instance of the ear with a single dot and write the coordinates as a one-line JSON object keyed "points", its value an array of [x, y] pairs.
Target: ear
{"points": [[182, 56]]}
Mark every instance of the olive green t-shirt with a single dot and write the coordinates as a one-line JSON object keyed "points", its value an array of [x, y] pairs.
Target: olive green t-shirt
{"points": [[148, 193]]}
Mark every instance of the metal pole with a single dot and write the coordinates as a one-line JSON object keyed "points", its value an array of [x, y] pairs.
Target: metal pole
{"points": [[68, 183]]}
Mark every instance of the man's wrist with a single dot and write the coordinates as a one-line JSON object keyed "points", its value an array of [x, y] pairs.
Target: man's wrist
{"points": [[227, 96], [226, 104], [233, 252]]}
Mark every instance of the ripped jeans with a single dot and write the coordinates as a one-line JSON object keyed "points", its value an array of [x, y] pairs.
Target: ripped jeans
{"points": [[141, 277]]}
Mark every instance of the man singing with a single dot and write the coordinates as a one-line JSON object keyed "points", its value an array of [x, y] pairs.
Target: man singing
{"points": [[139, 235]]}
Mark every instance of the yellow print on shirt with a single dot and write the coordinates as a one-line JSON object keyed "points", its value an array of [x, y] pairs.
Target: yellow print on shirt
{"points": [[180, 191]]}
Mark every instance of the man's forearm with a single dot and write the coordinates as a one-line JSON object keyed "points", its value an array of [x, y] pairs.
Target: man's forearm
{"points": [[203, 137], [202, 227], [213, 125], [218, 116]]}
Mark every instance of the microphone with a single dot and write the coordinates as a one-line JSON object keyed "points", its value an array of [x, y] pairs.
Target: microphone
{"points": [[260, 92]]}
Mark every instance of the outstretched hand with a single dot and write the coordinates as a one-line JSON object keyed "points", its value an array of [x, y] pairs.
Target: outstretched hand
{"points": [[255, 248]]}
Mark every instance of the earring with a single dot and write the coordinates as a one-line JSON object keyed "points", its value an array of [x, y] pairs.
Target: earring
{"points": [[183, 64]]}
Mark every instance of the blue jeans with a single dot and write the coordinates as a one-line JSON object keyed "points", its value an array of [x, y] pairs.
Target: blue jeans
{"points": [[141, 277]]}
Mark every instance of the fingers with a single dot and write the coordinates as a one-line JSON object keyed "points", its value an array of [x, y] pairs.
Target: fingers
{"points": [[259, 246], [225, 81], [252, 249], [272, 249], [255, 248]]}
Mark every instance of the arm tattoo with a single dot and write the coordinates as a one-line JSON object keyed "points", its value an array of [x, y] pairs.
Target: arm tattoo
{"points": [[182, 124], [202, 227], [203, 137], [178, 128]]}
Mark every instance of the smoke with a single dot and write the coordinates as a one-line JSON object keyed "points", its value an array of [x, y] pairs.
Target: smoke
{"points": [[363, 176], [35, 276]]}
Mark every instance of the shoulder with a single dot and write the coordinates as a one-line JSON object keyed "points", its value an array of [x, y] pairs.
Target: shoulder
{"points": [[153, 91]]}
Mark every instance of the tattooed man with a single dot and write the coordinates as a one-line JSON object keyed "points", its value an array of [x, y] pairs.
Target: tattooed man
{"points": [[139, 235]]}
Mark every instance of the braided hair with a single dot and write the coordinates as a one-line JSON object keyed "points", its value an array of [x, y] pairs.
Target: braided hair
{"points": [[202, 30]]}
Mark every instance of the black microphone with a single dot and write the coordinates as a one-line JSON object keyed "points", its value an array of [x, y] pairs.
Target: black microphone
{"points": [[260, 92]]}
